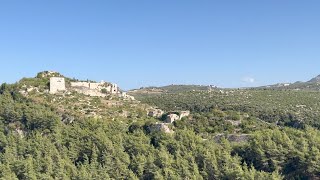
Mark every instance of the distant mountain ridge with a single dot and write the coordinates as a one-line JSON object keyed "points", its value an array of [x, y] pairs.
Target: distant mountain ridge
{"points": [[315, 80], [313, 85], [173, 89]]}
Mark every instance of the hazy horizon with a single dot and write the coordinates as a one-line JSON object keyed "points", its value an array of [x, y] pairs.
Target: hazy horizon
{"points": [[154, 85]]}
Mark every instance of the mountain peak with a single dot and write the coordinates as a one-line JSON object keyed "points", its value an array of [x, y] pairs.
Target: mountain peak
{"points": [[315, 79]]}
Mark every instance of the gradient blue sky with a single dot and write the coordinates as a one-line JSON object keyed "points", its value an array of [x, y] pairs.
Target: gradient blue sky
{"points": [[229, 43]]}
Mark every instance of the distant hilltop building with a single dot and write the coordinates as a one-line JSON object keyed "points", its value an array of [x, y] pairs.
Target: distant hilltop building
{"points": [[102, 86], [57, 84]]}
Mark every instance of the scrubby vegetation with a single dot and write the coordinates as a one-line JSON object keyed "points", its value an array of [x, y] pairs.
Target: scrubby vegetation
{"points": [[73, 136], [282, 107]]}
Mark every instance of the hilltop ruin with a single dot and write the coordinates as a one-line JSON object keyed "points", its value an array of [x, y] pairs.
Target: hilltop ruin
{"points": [[57, 84]]}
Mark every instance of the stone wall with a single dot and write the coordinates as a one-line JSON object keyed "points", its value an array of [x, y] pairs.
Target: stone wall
{"points": [[57, 84], [92, 89], [80, 84], [90, 92], [113, 89], [97, 86]]}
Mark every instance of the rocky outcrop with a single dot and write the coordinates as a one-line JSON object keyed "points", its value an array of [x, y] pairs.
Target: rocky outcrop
{"points": [[238, 138], [164, 127], [171, 118], [157, 113], [184, 114], [234, 123], [125, 96]]}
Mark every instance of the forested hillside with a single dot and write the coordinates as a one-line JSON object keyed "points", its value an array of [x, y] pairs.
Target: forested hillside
{"points": [[281, 107], [74, 136]]}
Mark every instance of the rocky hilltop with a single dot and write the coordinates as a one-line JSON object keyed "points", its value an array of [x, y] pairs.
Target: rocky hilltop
{"points": [[55, 83], [75, 99]]}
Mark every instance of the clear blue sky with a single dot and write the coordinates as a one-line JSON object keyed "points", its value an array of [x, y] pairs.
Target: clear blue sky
{"points": [[229, 43]]}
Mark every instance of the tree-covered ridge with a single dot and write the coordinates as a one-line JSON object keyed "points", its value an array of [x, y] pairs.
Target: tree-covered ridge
{"points": [[73, 136], [290, 108], [174, 88]]}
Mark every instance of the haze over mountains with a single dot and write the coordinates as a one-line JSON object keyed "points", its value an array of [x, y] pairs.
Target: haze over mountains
{"points": [[315, 79], [312, 84]]}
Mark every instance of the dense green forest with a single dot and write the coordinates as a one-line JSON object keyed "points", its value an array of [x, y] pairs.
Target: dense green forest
{"points": [[45, 136]]}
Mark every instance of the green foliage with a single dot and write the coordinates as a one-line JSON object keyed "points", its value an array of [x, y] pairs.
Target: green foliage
{"points": [[78, 137], [285, 108], [294, 153]]}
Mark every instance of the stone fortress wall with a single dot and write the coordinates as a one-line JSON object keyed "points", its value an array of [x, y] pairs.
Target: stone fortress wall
{"points": [[57, 84], [80, 84], [112, 88]]}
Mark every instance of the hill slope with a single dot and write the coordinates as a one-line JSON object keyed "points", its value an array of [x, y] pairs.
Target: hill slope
{"points": [[311, 85], [70, 135]]}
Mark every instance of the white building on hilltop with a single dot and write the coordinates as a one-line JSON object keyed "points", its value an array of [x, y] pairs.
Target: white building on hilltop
{"points": [[57, 84], [101, 89]]}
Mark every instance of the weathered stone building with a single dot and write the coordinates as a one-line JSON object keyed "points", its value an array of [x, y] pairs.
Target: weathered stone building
{"points": [[171, 118], [57, 84], [88, 88], [111, 88]]}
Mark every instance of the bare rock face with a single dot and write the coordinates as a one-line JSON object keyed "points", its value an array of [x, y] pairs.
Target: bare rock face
{"points": [[171, 118], [161, 127], [157, 113], [125, 96], [234, 123], [20, 132], [184, 114]]}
